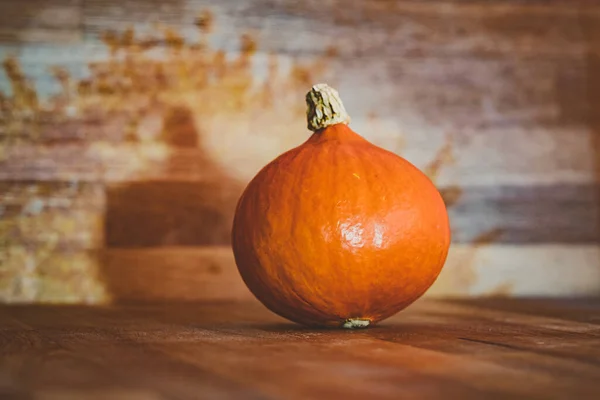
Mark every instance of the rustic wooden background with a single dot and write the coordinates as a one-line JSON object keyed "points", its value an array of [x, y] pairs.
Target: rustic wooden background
{"points": [[129, 128]]}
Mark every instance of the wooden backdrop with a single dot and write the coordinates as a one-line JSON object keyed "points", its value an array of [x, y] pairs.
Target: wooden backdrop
{"points": [[129, 128]]}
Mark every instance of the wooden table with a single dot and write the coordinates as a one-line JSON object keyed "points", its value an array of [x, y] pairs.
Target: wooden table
{"points": [[460, 349]]}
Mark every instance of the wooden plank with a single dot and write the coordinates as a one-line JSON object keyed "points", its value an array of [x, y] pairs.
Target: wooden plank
{"points": [[131, 321], [209, 274], [189, 274], [41, 21], [503, 91], [201, 213], [365, 28], [488, 269], [134, 10], [528, 214], [579, 309], [512, 158]]}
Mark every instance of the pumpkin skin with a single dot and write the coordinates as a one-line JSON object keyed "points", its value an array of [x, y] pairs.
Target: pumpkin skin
{"points": [[338, 232]]}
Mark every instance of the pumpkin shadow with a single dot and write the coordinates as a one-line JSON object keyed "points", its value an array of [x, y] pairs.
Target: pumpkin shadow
{"points": [[176, 212], [193, 206], [293, 327], [283, 327]]}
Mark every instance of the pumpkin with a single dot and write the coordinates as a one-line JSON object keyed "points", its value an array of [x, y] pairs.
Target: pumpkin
{"points": [[339, 232]]}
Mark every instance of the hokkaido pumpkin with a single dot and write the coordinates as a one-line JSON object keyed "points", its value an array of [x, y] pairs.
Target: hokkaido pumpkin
{"points": [[339, 232]]}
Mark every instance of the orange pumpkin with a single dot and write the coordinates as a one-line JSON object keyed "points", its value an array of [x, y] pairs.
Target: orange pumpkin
{"points": [[338, 232]]}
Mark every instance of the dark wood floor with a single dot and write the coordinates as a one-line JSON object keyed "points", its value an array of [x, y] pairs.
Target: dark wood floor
{"points": [[472, 349]]}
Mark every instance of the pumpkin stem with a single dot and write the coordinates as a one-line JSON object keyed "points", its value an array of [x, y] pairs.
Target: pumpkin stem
{"points": [[325, 108]]}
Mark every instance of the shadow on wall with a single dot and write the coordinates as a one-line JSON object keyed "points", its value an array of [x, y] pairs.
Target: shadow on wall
{"points": [[174, 212]]}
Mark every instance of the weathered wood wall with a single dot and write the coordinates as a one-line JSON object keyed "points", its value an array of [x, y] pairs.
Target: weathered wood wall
{"points": [[129, 128]]}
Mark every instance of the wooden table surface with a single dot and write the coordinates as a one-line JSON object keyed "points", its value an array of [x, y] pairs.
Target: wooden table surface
{"points": [[459, 349]]}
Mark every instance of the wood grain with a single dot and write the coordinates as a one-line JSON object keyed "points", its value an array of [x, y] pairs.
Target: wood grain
{"points": [[201, 214], [485, 269], [459, 349], [528, 214], [530, 162], [173, 274], [434, 28], [34, 21]]}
